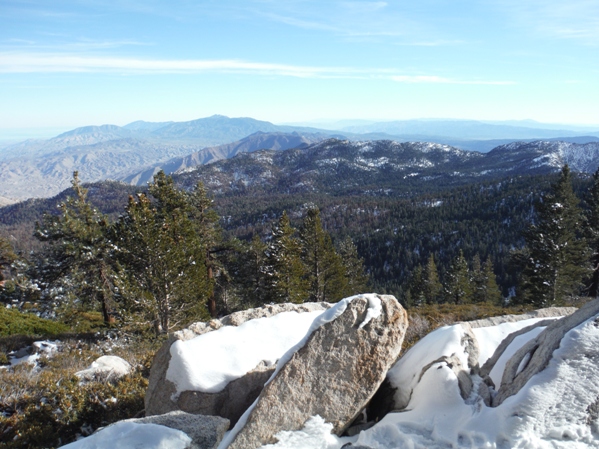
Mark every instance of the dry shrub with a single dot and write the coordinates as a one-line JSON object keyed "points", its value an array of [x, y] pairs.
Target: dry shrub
{"points": [[48, 406]]}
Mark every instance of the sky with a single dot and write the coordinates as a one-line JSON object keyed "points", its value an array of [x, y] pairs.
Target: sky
{"points": [[70, 63]]}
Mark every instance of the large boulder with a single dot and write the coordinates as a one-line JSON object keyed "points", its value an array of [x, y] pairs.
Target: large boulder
{"points": [[534, 356], [334, 374], [162, 395]]}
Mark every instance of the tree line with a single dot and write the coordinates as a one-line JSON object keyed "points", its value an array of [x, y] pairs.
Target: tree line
{"points": [[164, 261], [169, 258]]}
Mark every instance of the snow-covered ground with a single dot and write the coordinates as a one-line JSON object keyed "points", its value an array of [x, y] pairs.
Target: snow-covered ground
{"points": [[546, 413]]}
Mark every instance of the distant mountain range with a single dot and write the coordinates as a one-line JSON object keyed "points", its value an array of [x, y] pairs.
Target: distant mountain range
{"points": [[135, 152], [467, 130], [384, 167]]}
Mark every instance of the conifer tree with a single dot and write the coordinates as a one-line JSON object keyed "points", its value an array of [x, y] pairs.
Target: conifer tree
{"points": [[285, 269], [556, 260], [162, 248], [432, 288], [357, 279], [458, 286], [80, 260], [325, 273], [592, 235], [485, 284], [7, 257]]}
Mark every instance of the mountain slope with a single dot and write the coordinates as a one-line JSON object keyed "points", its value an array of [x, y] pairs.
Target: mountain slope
{"points": [[41, 168], [254, 142]]}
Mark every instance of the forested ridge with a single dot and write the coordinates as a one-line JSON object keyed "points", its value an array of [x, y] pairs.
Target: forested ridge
{"points": [[394, 233]]}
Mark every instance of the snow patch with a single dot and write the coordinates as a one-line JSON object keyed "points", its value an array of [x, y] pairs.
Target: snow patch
{"points": [[133, 435]]}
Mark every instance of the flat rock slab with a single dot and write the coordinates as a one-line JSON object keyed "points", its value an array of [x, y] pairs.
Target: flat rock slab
{"points": [[334, 374]]}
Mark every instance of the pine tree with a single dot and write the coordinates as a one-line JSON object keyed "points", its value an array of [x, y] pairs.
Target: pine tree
{"points": [[325, 273], [592, 235], [458, 287], [80, 259], [205, 222], [285, 270], [7, 258], [556, 259], [416, 295], [357, 279], [162, 248], [485, 284], [432, 288]]}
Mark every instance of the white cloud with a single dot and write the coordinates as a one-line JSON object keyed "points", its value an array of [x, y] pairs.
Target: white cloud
{"points": [[431, 79], [12, 62], [65, 63]]}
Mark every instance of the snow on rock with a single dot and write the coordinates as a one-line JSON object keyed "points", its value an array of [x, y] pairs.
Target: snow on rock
{"points": [[107, 367], [232, 384], [128, 435], [444, 342], [534, 356], [316, 434], [490, 337], [557, 408], [210, 361], [333, 371]]}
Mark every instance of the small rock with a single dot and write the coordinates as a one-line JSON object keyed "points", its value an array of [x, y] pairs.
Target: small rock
{"points": [[105, 368]]}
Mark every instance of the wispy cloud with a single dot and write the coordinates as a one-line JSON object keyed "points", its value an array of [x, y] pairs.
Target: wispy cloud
{"points": [[572, 19], [74, 63], [428, 79], [346, 19], [63, 43], [70, 63], [436, 43]]}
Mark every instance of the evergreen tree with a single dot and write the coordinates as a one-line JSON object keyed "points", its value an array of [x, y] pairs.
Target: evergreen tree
{"points": [[556, 259], [432, 288], [205, 222], [458, 286], [325, 273], [485, 285], [247, 286], [163, 252], [357, 279], [415, 292], [592, 235], [7, 258], [80, 260], [284, 268]]}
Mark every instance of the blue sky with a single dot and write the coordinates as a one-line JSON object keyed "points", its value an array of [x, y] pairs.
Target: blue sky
{"points": [[69, 63]]}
